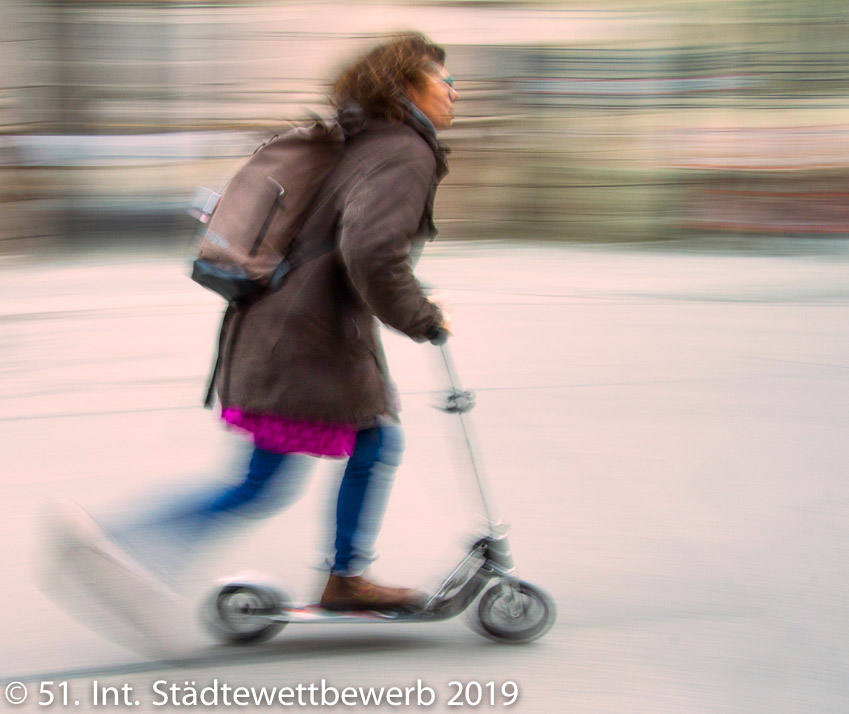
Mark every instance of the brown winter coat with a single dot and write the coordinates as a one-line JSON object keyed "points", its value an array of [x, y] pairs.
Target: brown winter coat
{"points": [[310, 350]]}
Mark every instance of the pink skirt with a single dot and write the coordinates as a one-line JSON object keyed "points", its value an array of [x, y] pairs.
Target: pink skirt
{"points": [[289, 436]]}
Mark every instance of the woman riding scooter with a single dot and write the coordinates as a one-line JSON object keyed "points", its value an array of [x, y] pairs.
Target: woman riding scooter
{"points": [[305, 373]]}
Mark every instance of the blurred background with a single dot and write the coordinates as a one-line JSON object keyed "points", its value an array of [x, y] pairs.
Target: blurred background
{"points": [[611, 120]]}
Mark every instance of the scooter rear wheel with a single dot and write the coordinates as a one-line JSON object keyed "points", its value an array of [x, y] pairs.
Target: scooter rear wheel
{"points": [[534, 617], [234, 613]]}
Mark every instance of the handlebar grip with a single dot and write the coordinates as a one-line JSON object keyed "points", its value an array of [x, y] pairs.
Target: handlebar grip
{"points": [[438, 336]]}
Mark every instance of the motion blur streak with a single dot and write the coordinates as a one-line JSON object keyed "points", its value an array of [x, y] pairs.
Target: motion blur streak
{"points": [[602, 121]]}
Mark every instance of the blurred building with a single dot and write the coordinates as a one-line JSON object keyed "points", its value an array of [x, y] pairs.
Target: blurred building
{"points": [[578, 121]]}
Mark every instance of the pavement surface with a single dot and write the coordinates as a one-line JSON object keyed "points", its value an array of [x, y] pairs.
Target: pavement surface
{"points": [[664, 429]]}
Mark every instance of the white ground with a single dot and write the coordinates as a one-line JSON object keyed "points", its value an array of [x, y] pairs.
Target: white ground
{"points": [[665, 430]]}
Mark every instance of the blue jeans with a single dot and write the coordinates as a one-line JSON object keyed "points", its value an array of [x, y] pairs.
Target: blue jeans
{"points": [[166, 541]]}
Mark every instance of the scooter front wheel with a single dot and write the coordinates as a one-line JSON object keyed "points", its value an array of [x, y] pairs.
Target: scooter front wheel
{"points": [[236, 613], [515, 614]]}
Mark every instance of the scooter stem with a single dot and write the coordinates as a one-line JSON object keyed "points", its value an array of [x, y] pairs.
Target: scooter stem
{"points": [[461, 402]]}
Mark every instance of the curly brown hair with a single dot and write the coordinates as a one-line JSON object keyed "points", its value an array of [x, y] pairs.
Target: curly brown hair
{"points": [[376, 81]]}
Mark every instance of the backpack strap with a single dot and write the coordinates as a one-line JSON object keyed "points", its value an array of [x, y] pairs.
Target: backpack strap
{"points": [[226, 320]]}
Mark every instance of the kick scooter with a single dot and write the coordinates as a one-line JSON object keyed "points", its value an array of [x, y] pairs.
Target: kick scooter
{"points": [[509, 610]]}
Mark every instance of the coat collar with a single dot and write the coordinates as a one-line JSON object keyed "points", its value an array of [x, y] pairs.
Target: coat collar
{"points": [[353, 120], [418, 121]]}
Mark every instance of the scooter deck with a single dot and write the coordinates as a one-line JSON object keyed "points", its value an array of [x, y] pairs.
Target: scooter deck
{"points": [[304, 614]]}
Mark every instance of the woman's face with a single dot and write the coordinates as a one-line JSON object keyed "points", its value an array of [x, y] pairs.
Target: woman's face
{"points": [[435, 97]]}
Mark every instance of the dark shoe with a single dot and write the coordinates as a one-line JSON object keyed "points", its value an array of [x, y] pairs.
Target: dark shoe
{"points": [[354, 592]]}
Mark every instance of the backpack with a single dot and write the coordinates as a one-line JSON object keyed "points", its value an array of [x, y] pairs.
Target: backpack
{"points": [[252, 223]]}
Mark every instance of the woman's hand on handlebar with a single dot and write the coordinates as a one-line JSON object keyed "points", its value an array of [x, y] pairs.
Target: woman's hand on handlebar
{"points": [[444, 329], [438, 299]]}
